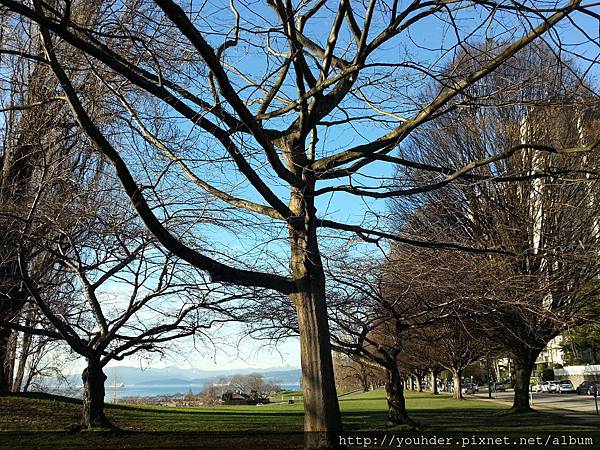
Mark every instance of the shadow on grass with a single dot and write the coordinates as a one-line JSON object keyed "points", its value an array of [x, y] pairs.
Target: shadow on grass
{"points": [[45, 396], [151, 440], [361, 399]]}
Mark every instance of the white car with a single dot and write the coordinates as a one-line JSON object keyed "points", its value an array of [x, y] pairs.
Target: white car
{"points": [[537, 387], [553, 386]]}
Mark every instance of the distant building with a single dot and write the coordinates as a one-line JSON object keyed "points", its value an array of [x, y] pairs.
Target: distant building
{"points": [[578, 374], [552, 353]]}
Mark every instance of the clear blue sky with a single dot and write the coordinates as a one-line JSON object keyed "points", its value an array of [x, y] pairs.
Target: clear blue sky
{"points": [[423, 43]]}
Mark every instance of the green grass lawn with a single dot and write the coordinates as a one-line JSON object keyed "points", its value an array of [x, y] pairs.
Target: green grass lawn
{"points": [[29, 423], [287, 395]]}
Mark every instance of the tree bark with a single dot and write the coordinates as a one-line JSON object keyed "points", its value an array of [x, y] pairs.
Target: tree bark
{"points": [[23, 357], [93, 396], [457, 383], [434, 387], [5, 360], [322, 420], [365, 384], [523, 363], [24, 353], [394, 389], [420, 383]]}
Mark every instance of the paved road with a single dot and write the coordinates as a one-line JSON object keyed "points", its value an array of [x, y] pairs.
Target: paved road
{"points": [[583, 404]]}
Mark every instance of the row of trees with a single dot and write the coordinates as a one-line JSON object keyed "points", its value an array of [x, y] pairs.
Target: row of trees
{"points": [[422, 309], [234, 146]]}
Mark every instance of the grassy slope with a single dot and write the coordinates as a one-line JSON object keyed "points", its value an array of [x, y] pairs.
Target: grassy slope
{"points": [[22, 421]]}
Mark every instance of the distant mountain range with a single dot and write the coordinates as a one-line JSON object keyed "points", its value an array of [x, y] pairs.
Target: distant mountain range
{"points": [[172, 376]]}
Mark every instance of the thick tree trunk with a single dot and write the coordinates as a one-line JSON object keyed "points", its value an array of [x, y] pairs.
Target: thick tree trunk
{"points": [[364, 380], [322, 420], [434, 387], [394, 389], [93, 396], [457, 382], [524, 361], [420, 384]]}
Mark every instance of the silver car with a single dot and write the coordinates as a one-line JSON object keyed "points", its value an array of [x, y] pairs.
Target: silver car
{"points": [[566, 387]]}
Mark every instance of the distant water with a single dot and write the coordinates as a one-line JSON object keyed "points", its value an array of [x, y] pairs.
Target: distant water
{"points": [[153, 391]]}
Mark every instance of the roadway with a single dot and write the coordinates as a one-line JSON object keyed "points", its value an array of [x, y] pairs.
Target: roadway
{"points": [[573, 404]]}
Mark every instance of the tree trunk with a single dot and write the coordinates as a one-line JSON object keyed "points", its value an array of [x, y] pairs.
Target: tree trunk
{"points": [[322, 420], [364, 380], [5, 360], [23, 354], [11, 357], [524, 361], [420, 383], [457, 383], [93, 396], [434, 387], [394, 389]]}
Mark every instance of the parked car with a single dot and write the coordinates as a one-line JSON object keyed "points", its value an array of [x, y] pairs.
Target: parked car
{"points": [[499, 387], [566, 387], [587, 387], [539, 387], [470, 388], [545, 386], [553, 386]]}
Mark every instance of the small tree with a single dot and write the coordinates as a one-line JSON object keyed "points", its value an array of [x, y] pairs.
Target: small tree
{"points": [[377, 309]]}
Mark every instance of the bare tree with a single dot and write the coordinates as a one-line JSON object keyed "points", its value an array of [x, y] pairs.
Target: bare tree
{"points": [[42, 148], [114, 292], [456, 346], [540, 206], [272, 104], [377, 309]]}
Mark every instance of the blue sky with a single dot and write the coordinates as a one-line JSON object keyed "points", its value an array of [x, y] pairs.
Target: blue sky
{"points": [[422, 43]]}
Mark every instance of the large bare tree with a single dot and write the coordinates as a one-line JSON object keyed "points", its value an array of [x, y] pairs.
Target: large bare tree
{"points": [[42, 148], [538, 205], [275, 111]]}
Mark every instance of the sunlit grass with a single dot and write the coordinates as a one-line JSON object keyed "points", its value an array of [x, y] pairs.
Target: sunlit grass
{"points": [[40, 423]]}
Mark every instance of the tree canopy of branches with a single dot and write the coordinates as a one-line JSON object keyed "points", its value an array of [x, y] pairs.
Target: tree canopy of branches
{"points": [[267, 113], [114, 292], [44, 155], [539, 206]]}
